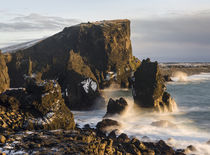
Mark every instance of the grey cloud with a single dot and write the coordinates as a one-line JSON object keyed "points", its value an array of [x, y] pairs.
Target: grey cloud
{"points": [[36, 22], [169, 39]]}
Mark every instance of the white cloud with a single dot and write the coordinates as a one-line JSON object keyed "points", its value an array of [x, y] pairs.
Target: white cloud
{"points": [[36, 22]]}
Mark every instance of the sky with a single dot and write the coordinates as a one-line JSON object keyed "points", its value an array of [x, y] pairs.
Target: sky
{"points": [[164, 30]]}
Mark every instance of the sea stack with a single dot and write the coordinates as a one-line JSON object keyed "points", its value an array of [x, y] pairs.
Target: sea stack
{"points": [[149, 90]]}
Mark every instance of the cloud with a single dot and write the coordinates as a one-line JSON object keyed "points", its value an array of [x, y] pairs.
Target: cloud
{"points": [[185, 38], [36, 22]]}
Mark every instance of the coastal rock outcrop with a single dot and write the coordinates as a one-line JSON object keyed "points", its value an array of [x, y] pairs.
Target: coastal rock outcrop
{"points": [[4, 77], [100, 51], [149, 88], [116, 106], [107, 125], [81, 141], [38, 106]]}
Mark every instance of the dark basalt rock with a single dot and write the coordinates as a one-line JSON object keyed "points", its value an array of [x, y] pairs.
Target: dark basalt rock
{"points": [[116, 106], [4, 77], [149, 88], [167, 78], [79, 141], [39, 106], [100, 51], [106, 123]]}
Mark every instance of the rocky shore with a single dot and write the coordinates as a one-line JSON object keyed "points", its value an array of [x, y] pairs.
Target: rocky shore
{"points": [[80, 141], [41, 85]]}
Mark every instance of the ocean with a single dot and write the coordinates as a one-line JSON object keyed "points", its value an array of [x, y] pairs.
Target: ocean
{"points": [[188, 125]]}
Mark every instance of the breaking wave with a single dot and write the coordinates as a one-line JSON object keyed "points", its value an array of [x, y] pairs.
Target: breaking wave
{"points": [[183, 77]]}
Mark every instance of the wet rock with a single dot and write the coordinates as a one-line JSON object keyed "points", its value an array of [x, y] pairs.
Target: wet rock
{"points": [[39, 106], [123, 138], [107, 124], [4, 76], [149, 88], [112, 134], [190, 148], [83, 95], [116, 106]]}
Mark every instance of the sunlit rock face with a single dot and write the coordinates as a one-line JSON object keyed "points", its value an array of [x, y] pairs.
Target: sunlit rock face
{"points": [[149, 88], [4, 77], [100, 51], [38, 106]]}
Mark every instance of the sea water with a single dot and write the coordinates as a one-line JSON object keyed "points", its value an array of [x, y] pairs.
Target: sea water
{"points": [[189, 125]]}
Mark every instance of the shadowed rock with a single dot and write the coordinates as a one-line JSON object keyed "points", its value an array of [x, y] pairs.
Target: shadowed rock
{"points": [[149, 88], [116, 106], [39, 106], [106, 124]]}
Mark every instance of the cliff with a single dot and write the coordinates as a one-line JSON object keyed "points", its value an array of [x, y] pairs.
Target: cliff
{"points": [[4, 77], [100, 51]]}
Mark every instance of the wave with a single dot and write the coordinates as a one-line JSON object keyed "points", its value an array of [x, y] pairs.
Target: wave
{"points": [[181, 77], [177, 130]]}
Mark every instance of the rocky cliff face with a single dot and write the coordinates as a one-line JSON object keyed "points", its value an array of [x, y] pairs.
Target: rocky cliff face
{"points": [[4, 77], [39, 106], [100, 51], [149, 88]]}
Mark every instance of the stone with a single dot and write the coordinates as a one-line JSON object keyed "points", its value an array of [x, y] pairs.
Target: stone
{"points": [[105, 124], [116, 106], [148, 88], [191, 148], [123, 138], [4, 76], [2, 139]]}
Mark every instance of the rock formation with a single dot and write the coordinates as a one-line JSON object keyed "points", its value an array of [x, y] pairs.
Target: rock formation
{"points": [[81, 141], [4, 77], [107, 124], [149, 88], [39, 106], [116, 106], [100, 51]]}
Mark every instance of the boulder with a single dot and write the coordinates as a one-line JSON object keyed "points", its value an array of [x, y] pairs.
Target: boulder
{"points": [[100, 51], [107, 124], [4, 76], [116, 106], [149, 88], [39, 106], [190, 148]]}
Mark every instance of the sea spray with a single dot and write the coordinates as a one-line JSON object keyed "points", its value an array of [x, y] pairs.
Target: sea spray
{"points": [[179, 76], [138, 121]]}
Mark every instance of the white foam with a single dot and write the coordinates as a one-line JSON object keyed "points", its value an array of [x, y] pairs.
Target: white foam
{"points": [[181, 77], [180, 131]]}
